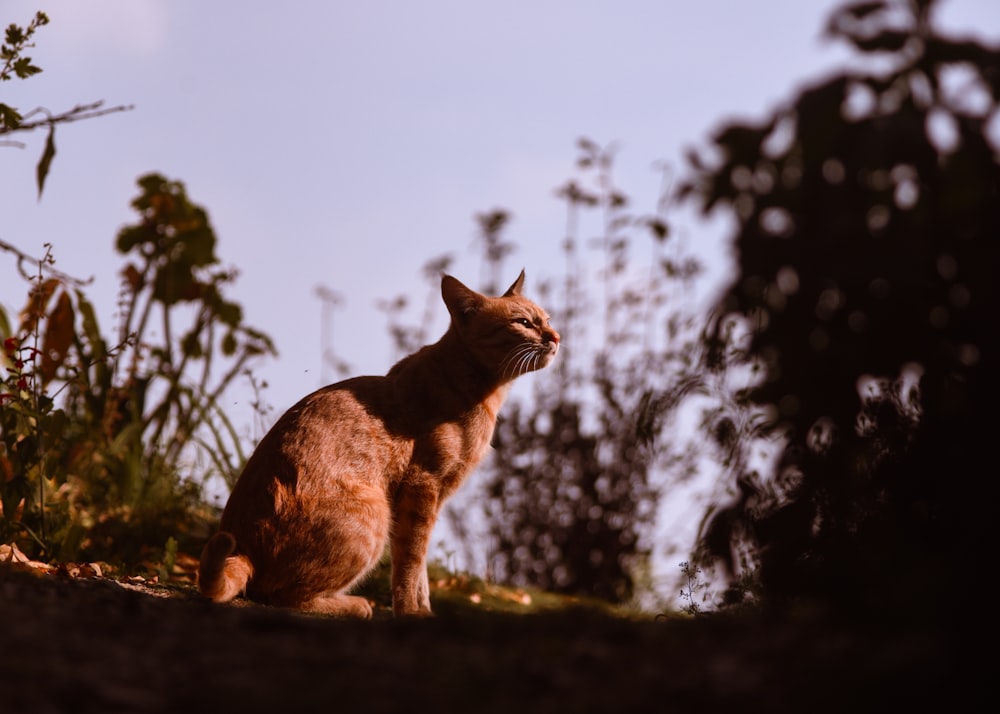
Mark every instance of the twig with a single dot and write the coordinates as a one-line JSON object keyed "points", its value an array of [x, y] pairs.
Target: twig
{"points": [[80, 111], [40, 264]]}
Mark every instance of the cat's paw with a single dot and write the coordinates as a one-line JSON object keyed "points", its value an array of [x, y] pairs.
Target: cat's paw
{"points": [[341, 606], [420, 611]]}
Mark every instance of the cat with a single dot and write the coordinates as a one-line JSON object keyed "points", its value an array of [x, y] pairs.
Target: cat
{"points": [[370, 460]]}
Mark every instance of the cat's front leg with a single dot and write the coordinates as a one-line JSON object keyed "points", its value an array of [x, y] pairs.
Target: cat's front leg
{"points": [[414, 511]]}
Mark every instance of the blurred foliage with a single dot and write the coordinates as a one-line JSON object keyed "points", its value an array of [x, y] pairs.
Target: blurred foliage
{"points": [[117, 463], [868, 212], [574, 483]]}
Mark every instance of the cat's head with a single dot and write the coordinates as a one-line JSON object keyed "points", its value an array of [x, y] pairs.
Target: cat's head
{"points": [[510, 334]]}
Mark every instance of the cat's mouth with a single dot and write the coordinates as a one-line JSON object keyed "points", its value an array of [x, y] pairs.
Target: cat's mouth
{"points": [[551, 354], [528, 358], [545, 355]]}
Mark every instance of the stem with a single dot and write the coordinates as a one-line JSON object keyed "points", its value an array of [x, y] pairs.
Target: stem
{"points": [[206, 369], [36, 393], [572, 215], [229, 376], [147, 309]]}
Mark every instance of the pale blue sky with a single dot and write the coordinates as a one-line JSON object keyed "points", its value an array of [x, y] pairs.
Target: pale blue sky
{"points": [[345, 144]]}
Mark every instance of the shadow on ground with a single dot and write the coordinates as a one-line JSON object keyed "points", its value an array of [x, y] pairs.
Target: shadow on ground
{"points": [[100, 645]]}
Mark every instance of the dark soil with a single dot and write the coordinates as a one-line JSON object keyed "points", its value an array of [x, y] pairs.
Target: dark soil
{"points": [[98, 645]]}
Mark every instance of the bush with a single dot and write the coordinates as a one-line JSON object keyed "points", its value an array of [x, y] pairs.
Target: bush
{"points": [[118, 462]]}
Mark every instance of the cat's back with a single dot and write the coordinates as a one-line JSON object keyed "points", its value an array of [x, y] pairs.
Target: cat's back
{"points": [[351, 426], [329, 452], [360, 409], [356, 399]]}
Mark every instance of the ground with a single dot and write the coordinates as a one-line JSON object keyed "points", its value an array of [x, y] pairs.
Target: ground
{"points": [[100, 644]]}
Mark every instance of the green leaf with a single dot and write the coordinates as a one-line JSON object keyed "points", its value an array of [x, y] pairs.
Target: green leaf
{"points": [[4, 324], [46, 161], [742, 142], [199, 245], [45, 403], [229, 344], [14, 35], [90, 327], [127, 439], [264, 340], [191, 345], [175, 283], [659, 229], [55, 422], [10, 118], [24, 69], [131, 236], [885, 41], [230, 313]]}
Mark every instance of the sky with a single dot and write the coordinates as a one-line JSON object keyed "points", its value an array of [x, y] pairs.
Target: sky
{"points": [[345, 144]]}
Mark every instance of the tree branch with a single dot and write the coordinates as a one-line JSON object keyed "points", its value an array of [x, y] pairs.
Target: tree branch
{"points": [[77, 113], [42, 264]]}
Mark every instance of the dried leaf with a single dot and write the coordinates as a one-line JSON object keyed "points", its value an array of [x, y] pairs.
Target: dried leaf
{"points": [[46, 161], [59, 335], [12, 556]]}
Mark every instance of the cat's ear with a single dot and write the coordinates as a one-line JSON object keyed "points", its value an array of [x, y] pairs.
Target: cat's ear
{"points": [[515, 289], [460, 300]]}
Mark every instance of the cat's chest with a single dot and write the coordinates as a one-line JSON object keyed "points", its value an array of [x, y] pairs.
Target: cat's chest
{"points": [[452, 449]]}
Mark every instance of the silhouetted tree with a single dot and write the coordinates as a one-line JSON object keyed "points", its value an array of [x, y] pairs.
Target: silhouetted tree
{"points": [[868, 214]]}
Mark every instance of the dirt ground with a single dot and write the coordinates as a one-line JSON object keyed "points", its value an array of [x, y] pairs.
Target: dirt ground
{"points": [[101, 645]]}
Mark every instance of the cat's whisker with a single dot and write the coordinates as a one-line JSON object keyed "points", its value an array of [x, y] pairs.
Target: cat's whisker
{"points": [[524, 366], [531, 361], [521, 360], [508, 369], [511, 367]]}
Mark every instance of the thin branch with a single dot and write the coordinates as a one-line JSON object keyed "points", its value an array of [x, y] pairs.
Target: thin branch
{"points": [[40, 264], [77, 113]]}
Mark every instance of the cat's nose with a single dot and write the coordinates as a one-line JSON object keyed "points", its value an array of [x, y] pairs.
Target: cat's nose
{"points": [[551, 336]]}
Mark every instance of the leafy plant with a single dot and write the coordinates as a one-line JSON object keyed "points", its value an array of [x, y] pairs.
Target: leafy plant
{"points": [[577, 471], [693, 584], [140, 427], [16, 64], [28, 423]]}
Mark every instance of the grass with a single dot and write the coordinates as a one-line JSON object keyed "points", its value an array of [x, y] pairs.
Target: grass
{"points": [[462, 593]]}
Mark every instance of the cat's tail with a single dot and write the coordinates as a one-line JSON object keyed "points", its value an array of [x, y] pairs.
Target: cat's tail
{"points": [[222, 575]]}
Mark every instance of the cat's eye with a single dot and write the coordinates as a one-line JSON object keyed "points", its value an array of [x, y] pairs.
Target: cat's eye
{"points": [[523, 321]]}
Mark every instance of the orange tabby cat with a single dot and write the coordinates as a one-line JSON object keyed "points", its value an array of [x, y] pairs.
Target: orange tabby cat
{"points": [[370, 460]]}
